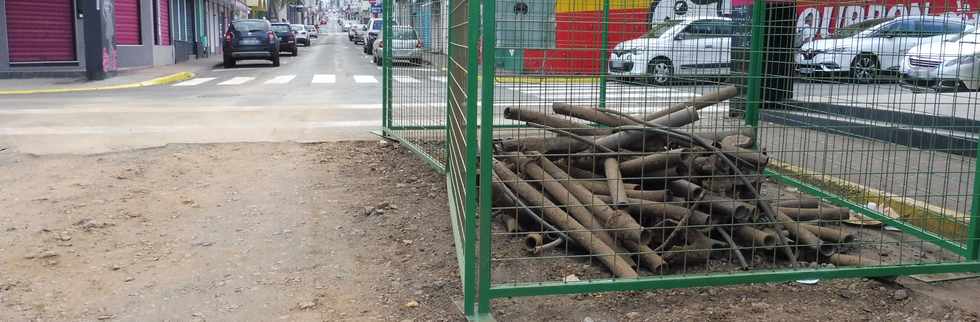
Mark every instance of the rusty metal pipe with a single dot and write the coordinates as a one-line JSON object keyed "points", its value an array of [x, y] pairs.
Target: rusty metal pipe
{"points": [[651, 211], [534, 243], [837, 236], [617, 190], [848, 260], [802, 236], [717, 136], [823, 213], [696, 103], [601, 187], [646, 140], [527, 115], [650, 259], [728, 207], [686, 189], [757, 238], [801, 202], [547, 145], [573, 228], [657, 161], [623, 225], [590, 114], [574, 206]]}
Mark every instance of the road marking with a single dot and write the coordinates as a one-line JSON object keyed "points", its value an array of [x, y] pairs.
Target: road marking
{"points": [[189, 109], [281, 79], [365, 79], [195, 81], [237, 81], [405, 79], [232, 69], [324, 79], [77, 130], [440, 79]]}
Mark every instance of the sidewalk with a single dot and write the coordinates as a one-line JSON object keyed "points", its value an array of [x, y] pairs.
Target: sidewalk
{"points": [[134, 77]]}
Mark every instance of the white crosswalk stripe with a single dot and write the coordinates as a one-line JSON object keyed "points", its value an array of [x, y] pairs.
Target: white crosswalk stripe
{"points": [[440, 79], [285, 79], [196, 81], [237, 81], [365, 79], [324, 79], [405, 79]]}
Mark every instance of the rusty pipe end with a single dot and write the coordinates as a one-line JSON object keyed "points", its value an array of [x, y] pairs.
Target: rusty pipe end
{"points": [[826, 250], [532, 241]]}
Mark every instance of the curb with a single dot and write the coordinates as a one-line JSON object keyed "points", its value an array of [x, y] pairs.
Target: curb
{"points": [[938, 220], [169, 79]]}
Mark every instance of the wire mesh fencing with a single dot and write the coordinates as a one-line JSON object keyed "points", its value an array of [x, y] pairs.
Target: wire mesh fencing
{"points": [[606, 145]]}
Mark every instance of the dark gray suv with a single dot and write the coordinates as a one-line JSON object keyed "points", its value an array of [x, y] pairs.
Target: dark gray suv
{"points": [[250, 39]]}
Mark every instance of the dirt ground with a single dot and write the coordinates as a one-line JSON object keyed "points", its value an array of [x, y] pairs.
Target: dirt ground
{"points": [[294, 232]]}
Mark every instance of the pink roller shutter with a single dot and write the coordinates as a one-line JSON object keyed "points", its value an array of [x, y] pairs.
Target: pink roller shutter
{"points": [[165, 22], [128, 22], [39, 31]]}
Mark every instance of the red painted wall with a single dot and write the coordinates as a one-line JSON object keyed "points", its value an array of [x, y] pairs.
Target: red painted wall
{"points": [[128, 22], [40, 30], [165, 22], [578, 40]]}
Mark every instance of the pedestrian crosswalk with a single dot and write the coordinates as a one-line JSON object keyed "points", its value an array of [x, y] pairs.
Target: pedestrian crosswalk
{"points": [[295, 79]]}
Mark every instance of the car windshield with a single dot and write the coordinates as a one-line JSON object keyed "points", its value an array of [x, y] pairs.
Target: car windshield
{"points": [[377, 24], [298, 28], [857, 28], [405, 33], [659, 29], [280, 28], [250, 25]]}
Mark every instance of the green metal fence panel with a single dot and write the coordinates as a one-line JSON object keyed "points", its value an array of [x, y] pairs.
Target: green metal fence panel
{"points": [[746, 142]]}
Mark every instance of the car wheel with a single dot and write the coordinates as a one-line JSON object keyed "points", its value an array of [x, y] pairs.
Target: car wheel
{"points": [[229, 62], [275, 60], [295, 52], [865, 68], [660, 71]]}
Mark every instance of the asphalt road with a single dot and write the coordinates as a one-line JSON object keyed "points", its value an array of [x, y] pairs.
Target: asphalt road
{"points": [[330, 91]]}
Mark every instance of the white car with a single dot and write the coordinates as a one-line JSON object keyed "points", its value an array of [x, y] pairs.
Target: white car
{"points": [[949, 65], [672, 48], [302, 37], [865, 49]]}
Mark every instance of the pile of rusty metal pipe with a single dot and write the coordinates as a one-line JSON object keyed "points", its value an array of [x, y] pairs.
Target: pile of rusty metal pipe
{"points": [[654, 199]]}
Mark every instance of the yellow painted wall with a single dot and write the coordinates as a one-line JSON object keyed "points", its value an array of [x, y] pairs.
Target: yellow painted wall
{"points": [[566, 6]]}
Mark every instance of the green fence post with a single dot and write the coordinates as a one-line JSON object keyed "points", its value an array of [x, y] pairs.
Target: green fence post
{"points": [[386, 68], [604, 55], [470, 211], [489, 33], [973, 231], [754, 91]]}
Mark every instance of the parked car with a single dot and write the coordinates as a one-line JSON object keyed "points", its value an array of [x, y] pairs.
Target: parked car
{"points": [[691, 47], [948, 65], [313, 32], [865, 49], [250, 39], [302, 37], [287, 40], [405, 46], [356, 33], [373, 30]]}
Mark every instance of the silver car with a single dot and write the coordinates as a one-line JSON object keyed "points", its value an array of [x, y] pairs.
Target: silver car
{"points": [[405, 46], [949, 65]]}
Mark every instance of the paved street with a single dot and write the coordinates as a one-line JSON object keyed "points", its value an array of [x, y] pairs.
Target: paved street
{"points": [[330, 91]]}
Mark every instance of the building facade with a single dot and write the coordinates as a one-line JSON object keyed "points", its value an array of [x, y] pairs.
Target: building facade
{"points": [[51, 38]]}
